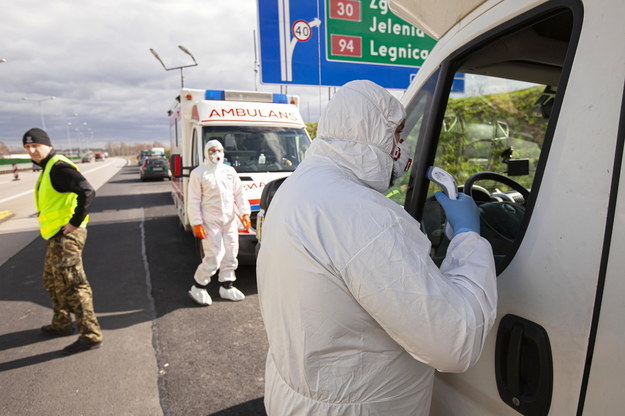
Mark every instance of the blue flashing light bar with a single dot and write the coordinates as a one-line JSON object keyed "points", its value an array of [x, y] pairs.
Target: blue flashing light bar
{"points": [[217, 95], [246, 96], [280, 99]]}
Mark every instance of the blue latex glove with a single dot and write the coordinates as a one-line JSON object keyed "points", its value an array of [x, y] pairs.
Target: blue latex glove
{"points": [[462, 213]]}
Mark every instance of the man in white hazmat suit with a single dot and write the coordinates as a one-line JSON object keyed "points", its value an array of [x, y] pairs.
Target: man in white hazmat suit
{"points": [[215, 196], [357, 315]]}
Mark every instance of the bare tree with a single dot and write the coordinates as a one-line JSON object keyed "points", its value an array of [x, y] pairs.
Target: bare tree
{"points": [[4, 150]]}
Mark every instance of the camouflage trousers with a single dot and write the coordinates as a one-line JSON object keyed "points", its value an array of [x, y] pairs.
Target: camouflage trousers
{"points": [[66, 282]]}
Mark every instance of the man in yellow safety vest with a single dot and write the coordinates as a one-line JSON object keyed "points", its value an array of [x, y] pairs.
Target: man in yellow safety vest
{"points": [[63, 197]]}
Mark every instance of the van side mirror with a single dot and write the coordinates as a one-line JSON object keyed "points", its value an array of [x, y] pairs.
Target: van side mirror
{"points": [[176, 166], [545, 101], [518, 167], [268, 192]]}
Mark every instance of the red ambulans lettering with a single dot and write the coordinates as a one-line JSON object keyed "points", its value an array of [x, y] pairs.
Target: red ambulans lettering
{"points": [[253, 185], [251, 113]]}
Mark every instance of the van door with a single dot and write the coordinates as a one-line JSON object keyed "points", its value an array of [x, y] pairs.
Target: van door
{"points": [[606, 360], [532, 139]]}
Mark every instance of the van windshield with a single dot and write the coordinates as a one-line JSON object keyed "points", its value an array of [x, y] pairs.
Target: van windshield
{"points": [[259, 149], [493, 136]]}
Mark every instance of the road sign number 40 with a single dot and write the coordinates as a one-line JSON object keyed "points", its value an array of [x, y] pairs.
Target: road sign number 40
{"points": [[301, 30]]}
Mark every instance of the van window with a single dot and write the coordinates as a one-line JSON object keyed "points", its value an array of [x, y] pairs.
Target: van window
{"points": [[260, 149], [195, 159], [416, 112], [493, 136]]}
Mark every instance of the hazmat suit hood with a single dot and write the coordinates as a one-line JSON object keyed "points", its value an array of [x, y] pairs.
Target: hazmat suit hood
{"points": [[356, 131], [215, 159]]}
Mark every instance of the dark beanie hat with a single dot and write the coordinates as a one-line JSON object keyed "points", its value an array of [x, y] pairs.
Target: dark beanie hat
{"points": [[36, 136]]}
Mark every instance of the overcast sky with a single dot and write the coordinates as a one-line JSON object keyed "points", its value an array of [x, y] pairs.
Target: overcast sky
{"points": [[94, 58]]}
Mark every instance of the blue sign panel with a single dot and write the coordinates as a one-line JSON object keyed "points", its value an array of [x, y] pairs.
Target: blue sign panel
{"points": [[331, 42]]}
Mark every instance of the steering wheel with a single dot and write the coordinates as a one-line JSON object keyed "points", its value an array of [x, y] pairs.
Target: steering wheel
{"points": [[480, 176], [500, 221]]}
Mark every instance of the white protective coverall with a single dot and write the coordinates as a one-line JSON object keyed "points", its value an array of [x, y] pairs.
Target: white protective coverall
{"points": [[357, 314], [215, 196]]}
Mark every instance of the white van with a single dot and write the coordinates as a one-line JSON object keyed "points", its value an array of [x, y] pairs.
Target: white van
{"points": [[263, 135], [537, 138]]}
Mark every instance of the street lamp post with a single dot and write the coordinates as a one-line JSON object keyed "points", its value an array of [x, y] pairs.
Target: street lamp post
{"points": [[39, 101], [82, 136], [183, 49], [90, 138], [69, 137]]}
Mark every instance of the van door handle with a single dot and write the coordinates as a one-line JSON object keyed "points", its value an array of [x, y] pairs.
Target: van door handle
{"points": [[513, 361], [523, 366]]}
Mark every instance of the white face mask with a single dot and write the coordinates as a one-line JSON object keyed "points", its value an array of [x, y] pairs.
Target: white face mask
{"points": [[401, 160], [216, 157]]}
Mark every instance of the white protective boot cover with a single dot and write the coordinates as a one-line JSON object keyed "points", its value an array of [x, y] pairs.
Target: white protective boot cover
{"points": [[233, 294], [201, 296]]}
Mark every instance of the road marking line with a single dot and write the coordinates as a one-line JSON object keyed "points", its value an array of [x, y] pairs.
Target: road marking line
{"points": [[16, 196], [99, 167], [32, 190], [5, 215]]}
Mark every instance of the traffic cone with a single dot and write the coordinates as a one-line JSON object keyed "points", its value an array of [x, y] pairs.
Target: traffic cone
{"points": [[16, 175]]}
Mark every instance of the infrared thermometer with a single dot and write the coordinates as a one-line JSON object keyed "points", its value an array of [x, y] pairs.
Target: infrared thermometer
{"points": [[444, 180], [447, 182]]}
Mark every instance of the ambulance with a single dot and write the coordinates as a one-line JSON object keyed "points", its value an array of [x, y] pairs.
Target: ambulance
{"points": [[263, 135], [536, 137]]}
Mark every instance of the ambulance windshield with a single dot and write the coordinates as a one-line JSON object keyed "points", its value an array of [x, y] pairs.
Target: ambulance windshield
{"points": [[260, 149]]}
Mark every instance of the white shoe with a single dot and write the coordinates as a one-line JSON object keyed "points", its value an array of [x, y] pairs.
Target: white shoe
{"points": [[233, 294], [201, 296]]}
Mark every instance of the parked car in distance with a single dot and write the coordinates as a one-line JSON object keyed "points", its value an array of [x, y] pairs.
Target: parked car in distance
{"points": [[87, 159], [155, 168], [99, 157]]}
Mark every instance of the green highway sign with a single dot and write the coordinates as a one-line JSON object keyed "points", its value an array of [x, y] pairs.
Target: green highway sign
{"points": [[331, 42], [368, 32]]}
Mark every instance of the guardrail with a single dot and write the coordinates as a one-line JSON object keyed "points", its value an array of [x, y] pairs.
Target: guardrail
{"points": [[8, 167], [20, 166]]}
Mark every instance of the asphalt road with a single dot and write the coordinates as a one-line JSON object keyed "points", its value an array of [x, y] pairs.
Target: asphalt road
{"points": [[162, 353]]}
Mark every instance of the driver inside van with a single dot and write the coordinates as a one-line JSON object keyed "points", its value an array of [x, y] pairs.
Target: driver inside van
{"points": [[358, 316]]}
